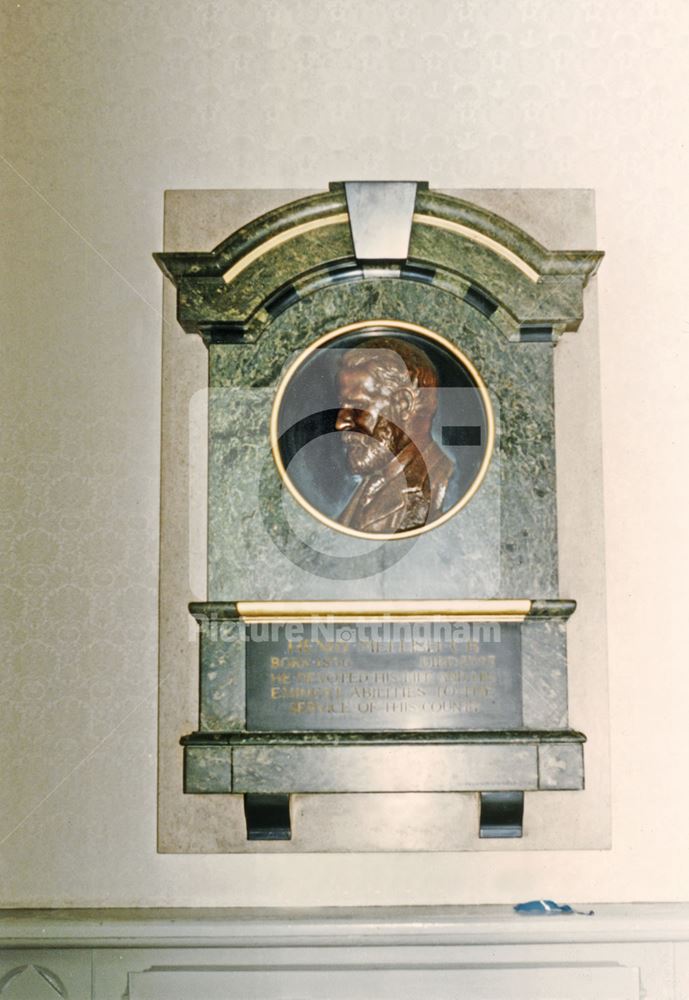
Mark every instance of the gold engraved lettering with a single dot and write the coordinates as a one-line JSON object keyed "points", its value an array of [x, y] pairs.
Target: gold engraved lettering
{"points": [[411, 679]]}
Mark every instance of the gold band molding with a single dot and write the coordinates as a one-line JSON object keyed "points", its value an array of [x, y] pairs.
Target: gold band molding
{"points": [[422, 610], [343, 217]]}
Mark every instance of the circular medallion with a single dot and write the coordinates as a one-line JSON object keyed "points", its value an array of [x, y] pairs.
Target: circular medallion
{"points": [[382, 429]]}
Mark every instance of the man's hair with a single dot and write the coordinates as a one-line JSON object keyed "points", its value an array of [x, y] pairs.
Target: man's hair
{"points": [[417, 371]]}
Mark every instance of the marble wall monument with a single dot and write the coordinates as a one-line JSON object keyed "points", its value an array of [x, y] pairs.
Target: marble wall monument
{"points": [[383, 611]]}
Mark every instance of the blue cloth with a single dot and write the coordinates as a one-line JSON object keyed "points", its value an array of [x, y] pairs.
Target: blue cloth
{"points": [[548, 907]]}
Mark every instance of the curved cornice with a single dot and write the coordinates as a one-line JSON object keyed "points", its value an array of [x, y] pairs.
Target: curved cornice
{"points": [[233, 291], [480, 224], [278, 225]]}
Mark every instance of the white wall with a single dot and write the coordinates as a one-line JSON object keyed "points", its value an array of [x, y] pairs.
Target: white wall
{"points": [[111, 103]]}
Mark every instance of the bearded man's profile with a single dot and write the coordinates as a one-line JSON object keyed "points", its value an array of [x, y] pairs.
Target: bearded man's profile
{"points": [[388, 397]]}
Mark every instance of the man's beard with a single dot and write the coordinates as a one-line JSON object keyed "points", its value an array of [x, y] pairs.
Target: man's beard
{"points": [[367, 454]]}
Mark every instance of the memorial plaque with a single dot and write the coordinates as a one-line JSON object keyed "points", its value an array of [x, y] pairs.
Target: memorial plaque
{"points": [[383, 676], [380, 381]]}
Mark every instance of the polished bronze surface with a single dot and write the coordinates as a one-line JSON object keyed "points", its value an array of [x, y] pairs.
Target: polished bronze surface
{"points": [[399, 472], [388, 396]]}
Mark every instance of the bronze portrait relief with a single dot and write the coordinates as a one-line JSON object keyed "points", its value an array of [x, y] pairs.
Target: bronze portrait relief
{"points": [[382, 429], [387, 405]]}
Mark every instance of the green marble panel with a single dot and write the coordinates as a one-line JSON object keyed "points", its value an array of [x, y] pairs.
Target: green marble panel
{"points": [[262, 545], [222, 704], [561, 766], [447, 768], [544, 673], [207, 770]]}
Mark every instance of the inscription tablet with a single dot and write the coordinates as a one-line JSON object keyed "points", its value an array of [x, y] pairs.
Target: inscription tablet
{"points": [[383, 676]]}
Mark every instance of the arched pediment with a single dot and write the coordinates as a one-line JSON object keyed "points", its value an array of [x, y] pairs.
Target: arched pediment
{"points": [[232, 292]]}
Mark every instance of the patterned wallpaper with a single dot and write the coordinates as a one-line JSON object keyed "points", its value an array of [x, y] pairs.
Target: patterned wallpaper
{"points": [[107, 105]]}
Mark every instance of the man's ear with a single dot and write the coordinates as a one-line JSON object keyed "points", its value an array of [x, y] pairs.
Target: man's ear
{"points": [[405, 402]]}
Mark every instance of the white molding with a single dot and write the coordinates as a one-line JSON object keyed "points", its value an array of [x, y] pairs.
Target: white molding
{"points": [[566, 982], [338, 927]]}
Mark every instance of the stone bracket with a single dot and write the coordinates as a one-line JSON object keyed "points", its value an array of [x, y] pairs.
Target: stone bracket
{"points": [[502, 814], [267, 817]]}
